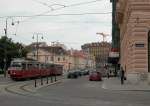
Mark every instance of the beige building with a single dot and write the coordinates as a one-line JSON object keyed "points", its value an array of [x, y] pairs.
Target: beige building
{"points": [[50, 54], [133, 17], [70, 60]]}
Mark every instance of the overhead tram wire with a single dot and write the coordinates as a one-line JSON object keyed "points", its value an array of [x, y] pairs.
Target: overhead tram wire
{"points": [[97, 13], [65, 6], [43, 13], [71, 5], [43, 3]]}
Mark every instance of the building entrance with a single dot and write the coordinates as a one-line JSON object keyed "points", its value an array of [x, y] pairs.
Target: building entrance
{"points": [[149, 51]]}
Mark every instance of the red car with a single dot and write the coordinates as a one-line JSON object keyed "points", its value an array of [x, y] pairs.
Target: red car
{"points": [[95, 76]]}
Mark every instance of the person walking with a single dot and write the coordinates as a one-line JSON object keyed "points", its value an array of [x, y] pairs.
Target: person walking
{"points": [[122, 75], [107, 71]]}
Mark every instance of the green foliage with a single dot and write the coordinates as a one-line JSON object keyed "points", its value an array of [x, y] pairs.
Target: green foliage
{"points": [[10, 49]]}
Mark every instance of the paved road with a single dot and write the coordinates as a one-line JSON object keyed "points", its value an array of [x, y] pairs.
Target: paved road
{"points": [[76, 92]]}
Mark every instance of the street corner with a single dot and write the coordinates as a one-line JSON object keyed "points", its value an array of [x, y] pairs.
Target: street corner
{"points": [[5, 80]]}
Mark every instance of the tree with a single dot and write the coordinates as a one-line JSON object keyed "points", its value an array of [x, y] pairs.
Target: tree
{"points": [[10, 50]]}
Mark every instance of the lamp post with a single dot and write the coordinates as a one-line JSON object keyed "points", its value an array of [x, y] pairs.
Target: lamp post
{"points": [[5, 48], [37, 43], [37, 47]]}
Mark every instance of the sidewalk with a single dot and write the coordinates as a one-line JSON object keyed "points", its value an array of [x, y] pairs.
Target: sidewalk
{"points": [[30, 87], [115, 84]]}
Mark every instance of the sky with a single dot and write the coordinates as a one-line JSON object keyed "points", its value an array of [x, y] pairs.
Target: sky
{"points": [[59, 21]]}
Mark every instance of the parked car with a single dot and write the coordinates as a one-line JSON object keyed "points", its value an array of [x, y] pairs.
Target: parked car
{"points": [[84, 72], [72, 75], [95, 76], [79, 73]]}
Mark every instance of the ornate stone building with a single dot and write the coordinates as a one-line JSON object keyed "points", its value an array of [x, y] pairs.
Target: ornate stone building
{"points": [[99, 50], [133, 19]]}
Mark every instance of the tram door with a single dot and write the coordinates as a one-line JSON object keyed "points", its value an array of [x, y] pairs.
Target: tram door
{"points": [[149, 51]]}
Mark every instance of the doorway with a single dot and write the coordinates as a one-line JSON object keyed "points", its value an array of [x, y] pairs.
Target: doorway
{"points": [[149, 51]]}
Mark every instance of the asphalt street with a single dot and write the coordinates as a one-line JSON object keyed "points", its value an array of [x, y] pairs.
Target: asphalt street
{"points": [[76, 92]]}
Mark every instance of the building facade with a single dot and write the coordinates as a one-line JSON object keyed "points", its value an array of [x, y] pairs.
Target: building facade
{"points": [[70, 59], [133, 19], [99, 50]]}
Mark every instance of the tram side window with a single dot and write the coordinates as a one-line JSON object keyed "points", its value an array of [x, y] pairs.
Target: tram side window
{"points": [[41, 66], [30, 66], [37, 66], [47, 66], [23, 66]]}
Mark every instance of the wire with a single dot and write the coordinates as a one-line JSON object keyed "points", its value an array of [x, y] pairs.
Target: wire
{"points": [[64, 6], [63, 14], [43, 3], [83, 3], [72, 5]]}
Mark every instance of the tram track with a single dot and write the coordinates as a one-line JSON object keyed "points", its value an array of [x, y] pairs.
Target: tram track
{"points": [[17, 89], [20, 88]]}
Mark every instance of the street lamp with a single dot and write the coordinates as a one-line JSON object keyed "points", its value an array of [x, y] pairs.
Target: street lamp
{"points": [[5, 48], [37, 47], [37, 43]]}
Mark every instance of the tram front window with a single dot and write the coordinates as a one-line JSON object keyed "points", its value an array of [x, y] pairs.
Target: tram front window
{"points": [[16, 65]]}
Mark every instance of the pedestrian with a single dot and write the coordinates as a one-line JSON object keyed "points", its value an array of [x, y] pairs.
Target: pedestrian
{"points": [[122, 75], [107, 71]]}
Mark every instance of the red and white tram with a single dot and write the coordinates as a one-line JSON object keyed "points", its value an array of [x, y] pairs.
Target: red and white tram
{"points": [[23, 69]]}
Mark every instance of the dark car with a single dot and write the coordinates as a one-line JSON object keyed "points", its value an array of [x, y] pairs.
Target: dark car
{"points": [[78, 73], [86, 72], [95, 76], [72, 75]]}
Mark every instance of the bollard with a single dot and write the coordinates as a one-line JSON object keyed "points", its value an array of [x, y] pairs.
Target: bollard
{"points": [[47, 80], [35, 84], [41, 81], [51, 79], [55, 78]]}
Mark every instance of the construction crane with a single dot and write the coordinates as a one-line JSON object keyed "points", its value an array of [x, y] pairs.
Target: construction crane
{"points": [[103, 35]]}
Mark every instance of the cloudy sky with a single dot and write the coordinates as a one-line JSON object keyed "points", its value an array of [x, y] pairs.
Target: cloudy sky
{"points": [[72, 22]]}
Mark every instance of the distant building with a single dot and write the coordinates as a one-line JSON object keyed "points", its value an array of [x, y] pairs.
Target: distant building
{"points": [[39, 44], [58, 44], [70, 59], [99, 50], [49, 54]]}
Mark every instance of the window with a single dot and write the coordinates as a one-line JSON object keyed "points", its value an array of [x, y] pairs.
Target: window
{"points": [[64, 59], [58, 58], [46, 58], [139, 45], [52, 58]]}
